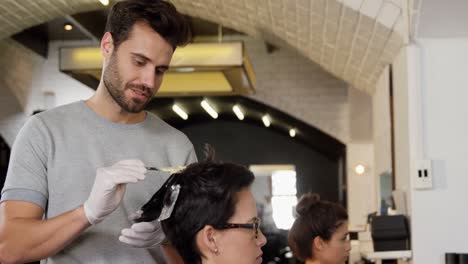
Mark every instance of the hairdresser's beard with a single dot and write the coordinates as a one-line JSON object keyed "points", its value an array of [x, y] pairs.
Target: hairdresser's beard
{"points": [[113, 82]]}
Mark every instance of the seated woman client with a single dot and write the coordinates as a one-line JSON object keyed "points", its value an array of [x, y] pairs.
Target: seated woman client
{"points": [[319, 234], [209, 214]]}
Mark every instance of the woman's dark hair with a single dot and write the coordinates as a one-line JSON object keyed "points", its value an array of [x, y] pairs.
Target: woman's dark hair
{"points": [[161, 15], [208, 196], [315, 218]]}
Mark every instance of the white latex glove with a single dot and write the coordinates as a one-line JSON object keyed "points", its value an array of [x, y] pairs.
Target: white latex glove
{"points": [[143, 234], [109, 188]]}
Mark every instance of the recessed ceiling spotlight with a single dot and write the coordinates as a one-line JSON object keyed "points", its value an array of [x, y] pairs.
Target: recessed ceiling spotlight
{"points": [[68, 26], [266, 120], [209, 109], [176, 108], [238, 111], [292, 132], [104, 2]]}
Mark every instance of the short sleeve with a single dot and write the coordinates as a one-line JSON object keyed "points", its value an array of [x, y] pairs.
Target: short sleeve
{"points": [[26, 178]]}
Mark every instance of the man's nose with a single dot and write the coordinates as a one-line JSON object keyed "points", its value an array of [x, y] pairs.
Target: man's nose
{"points": [[148, 78]]}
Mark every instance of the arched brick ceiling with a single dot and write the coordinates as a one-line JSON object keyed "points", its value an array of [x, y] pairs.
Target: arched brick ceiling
{"points": [[349, 41]]}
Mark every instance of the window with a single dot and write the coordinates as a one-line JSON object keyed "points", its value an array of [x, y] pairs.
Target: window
{"points": [[283, 197]]}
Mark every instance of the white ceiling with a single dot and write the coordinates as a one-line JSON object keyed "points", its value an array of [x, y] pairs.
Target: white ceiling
{"points": [[352, 39]]}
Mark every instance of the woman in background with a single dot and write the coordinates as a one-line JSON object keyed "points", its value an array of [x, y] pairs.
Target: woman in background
{"points": [[209, 214], [319, 234]]}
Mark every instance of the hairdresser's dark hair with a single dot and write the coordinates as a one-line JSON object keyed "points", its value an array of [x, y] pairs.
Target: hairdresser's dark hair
{"points": [[315, 218], [161, 15], [208, 196]]}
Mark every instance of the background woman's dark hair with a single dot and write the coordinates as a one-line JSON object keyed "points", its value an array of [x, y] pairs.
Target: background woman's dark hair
{"points": [[208, 196], [161, 15], [315, 218]]}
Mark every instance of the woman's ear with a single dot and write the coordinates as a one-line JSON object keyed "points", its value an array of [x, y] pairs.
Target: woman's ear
{"points": [[107, 45], [318, 243], [207, 239]]}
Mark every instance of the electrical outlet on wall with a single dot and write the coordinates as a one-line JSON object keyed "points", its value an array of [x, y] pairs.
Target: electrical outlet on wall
{"points": [[423, 175]]}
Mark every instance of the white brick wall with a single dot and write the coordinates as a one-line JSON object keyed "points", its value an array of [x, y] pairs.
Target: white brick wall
{"points": [[295, 85]]}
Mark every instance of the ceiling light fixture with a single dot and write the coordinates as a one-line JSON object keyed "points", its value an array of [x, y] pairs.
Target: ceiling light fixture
{"points": [[180, 112], [266, 120], [104, 2], [214, 69], [238, 111], [209, 109], [292, 132], [68, 26]]}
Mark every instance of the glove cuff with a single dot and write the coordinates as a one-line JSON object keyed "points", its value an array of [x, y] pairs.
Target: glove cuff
{"points": [[92, 219]]}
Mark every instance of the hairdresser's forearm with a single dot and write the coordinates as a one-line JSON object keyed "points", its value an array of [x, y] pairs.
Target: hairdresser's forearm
{"points": [[25, 239]]}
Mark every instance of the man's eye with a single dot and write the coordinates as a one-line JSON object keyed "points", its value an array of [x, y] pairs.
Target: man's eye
{"points": [[139, 62], [160, 71]]}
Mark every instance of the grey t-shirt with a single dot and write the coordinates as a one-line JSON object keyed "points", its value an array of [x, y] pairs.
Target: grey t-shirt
{"points": [[53, 164]]}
